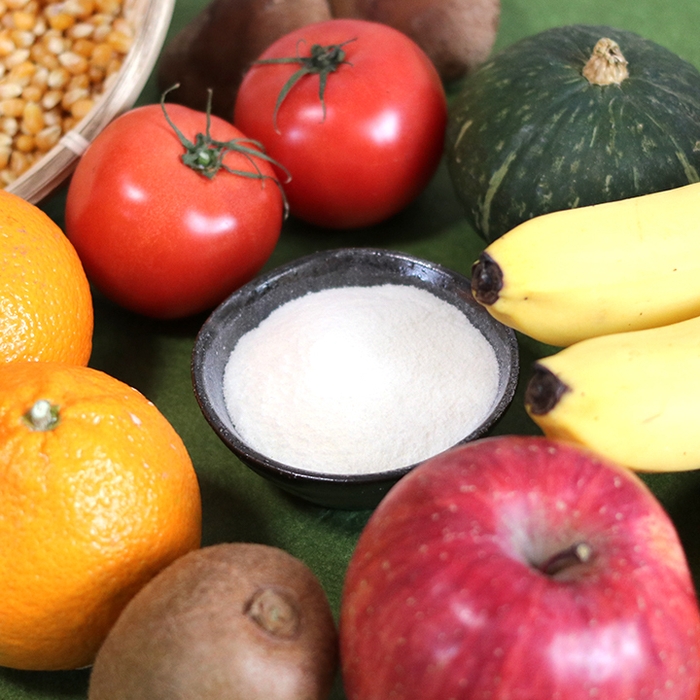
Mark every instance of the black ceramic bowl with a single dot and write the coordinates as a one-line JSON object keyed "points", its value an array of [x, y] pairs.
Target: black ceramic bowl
{"points": [[252, 303]]}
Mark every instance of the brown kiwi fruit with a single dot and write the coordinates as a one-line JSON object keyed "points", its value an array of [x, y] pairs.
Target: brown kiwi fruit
{"points": [[236, 621], [457, 35], [217, 47]]}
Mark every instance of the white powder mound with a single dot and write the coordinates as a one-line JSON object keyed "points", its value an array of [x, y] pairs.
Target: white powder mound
{"points": [[360, 379]]}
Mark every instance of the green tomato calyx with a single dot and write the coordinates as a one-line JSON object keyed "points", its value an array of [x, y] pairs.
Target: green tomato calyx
{"points": [[322, 61], [205, 155]]}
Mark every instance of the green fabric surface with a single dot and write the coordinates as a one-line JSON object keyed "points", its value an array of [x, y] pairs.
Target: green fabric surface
{"points": [[154, 357]]}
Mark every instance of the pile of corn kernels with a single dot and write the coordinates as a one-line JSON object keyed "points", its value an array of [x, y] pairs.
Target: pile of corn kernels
{"points": [[56, 59]]}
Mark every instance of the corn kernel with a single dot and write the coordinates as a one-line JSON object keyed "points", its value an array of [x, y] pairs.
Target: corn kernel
{"points": [[101, 19], [23, 20], [22, 39], [53, 115], [12, 107], [32, 118], [80, 108], [81, 30], [56, 58], [119, 41], [56, 44], [74, 63], [39, 26], [81, 81], [61, 21], [22, 73], [5, 152], [48, 137], [25, 143], [7, 46], [102, 54], [108, 7], [83, 47], [113, 67], [79, 8], [110, 79], [16, 57], [40, 78], [58, 78], [8, 90], [9, 125], [51, 99], [95, 74], [72, 96], [121, 25], [33, 93], [18, 162], [43, 57]]}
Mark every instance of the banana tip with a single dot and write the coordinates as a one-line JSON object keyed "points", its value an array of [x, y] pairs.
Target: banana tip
{"points": [[543, 391], [487, 280]]}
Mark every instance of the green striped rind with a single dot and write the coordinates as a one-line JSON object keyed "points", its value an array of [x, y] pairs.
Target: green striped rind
{"points": [[528, 134]]}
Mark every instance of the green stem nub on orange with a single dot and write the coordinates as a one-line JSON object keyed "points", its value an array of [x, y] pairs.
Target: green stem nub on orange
{"points": [[42, 416]]}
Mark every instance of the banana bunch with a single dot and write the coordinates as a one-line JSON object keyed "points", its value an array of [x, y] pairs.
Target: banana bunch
{"points": [[617, 286], [633, 397], [607, 268]]}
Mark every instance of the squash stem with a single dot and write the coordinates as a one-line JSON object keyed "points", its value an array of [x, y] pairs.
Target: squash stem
{"points": [[607, 65]]}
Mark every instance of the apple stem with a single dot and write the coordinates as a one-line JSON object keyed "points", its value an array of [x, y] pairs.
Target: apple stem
{"points": [[579, 553]]}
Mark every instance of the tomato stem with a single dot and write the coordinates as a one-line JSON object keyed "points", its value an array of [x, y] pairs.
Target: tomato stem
{"points": [[322, 61], [205, 155]]}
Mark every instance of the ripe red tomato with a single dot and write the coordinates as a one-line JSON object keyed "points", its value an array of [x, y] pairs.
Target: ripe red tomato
{"points": [[373, 143], [159, 237]]}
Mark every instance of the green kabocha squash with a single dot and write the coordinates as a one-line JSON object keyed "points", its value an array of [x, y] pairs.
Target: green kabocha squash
{"points": [[571, 116]]}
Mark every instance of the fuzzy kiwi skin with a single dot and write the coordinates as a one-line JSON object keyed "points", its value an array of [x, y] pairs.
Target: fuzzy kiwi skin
{"points": [[457, 35], [235, 621], [218, 46]]}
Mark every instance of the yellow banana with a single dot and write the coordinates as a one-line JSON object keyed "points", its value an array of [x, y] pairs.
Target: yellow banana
{"points": [[606, 268], [632, 397]]}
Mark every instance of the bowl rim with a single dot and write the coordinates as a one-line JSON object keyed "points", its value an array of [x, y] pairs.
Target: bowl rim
{"points": [[272, 468]]}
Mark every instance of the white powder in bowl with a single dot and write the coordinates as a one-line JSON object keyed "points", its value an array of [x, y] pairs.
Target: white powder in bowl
{"points": [[360, 379]]}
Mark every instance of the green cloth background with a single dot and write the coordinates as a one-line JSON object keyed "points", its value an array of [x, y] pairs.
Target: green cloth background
{"points": [[155, 357]]}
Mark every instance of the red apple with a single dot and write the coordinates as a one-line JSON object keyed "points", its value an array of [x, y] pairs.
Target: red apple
{"points": [[519, 568]]}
